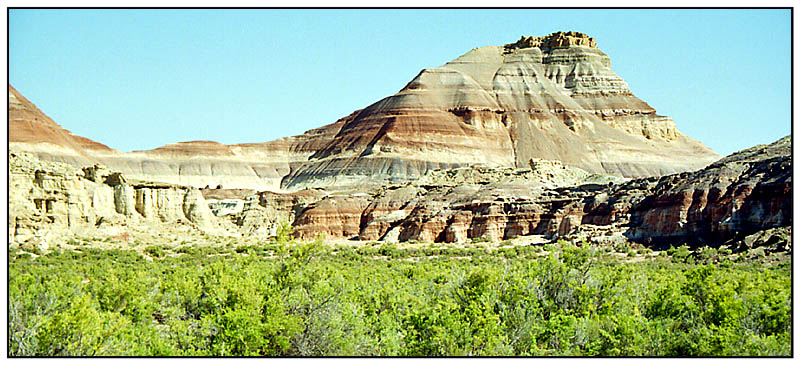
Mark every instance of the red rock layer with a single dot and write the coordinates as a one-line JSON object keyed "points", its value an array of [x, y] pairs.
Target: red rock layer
{"points": [[741, 194], [30, 128], [331, 218], [552, 98]]}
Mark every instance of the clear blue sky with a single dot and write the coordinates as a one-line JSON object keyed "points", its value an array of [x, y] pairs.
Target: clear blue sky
{"points": [[139, 79]]}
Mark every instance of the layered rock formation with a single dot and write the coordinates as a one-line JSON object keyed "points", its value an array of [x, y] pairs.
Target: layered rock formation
{"points": [[259, 166], [531, 138], [734, 198], [49, 201], [741, 194], [262, 214], [457, 206], [551, 98], [31, 130], [738, 195]]}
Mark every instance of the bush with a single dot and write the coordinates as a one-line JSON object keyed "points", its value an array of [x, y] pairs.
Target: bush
{"points": [[284, 235], [623, 247], [155, 251], [391, 251], [680, 254], [309, 301]]}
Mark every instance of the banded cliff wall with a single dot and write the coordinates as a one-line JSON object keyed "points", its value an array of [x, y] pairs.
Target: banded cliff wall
{"points": [[737, 196], [741, 194], [553, 98]]}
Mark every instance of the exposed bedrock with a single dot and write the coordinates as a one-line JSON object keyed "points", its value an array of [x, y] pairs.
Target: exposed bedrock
{"points": [[734, 197], [50, 200], [553, 98], [501, 107]]}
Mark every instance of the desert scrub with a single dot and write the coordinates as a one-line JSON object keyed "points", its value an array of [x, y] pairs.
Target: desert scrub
{"points": [[74, 242], [155, 251], [680, 254], [310, 301]]}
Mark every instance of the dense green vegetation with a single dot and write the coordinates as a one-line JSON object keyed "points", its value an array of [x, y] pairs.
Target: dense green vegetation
{"points": [[288, 299]]}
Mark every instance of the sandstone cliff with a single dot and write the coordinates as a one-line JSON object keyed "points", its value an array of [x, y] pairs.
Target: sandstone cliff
{"points": [[734, 197], [456, 205], [50, 201]]}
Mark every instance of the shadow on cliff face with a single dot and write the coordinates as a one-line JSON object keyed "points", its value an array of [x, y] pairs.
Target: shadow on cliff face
{"points": [[736, 197]]}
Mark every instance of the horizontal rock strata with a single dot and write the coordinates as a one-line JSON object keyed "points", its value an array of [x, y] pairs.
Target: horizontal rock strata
{"points": [[552, 98], [736, 196], [732, 199], [50, 200]]}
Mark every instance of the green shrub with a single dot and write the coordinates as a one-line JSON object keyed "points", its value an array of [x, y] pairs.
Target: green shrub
{"points": [[155, 251], [680, 254], [284, 233], [311, 301]]}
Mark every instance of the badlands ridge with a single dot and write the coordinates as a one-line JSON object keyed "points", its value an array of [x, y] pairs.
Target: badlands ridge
{"points": [[537, 137], [550, 98]]}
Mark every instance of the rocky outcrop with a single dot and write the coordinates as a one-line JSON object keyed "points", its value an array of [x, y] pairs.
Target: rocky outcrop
{"points": [[738, 195], [49, 201], [557, 39], [552, 98], [732, 200], [734, 197], [259, 214], [332, 217], [456, 206], [772, 239]]}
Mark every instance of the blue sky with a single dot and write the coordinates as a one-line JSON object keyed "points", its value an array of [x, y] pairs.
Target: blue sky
{"points": [[139, 79]]}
